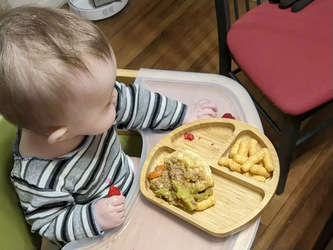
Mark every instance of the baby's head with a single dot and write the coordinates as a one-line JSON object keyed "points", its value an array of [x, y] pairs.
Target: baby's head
{"points": [[57, 73]]}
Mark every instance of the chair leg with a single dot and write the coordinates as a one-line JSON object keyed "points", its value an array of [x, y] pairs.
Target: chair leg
{"points": [[325, 236], [288, 138], [223, 26]]}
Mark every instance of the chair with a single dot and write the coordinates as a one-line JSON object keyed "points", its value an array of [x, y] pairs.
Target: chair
{"points": [[14, 231], [288, 57]]}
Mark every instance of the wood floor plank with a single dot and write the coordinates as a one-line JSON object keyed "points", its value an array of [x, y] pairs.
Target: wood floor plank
{"points": [[189, 39], [289, 238], [330, 245], [305, 212], [198, 51], [308, 239], [143, 30], [314, 202], [307, 157], [262, 228], [211, 66], [126, 20], [141, 44], [280, 222], [173, 39]]}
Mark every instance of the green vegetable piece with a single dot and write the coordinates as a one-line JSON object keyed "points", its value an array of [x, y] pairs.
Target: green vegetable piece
{"points": [[204, 195], [164, 193], [185, 196]]}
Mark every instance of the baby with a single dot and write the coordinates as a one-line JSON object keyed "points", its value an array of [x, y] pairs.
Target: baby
{"points": [[58, 85]]}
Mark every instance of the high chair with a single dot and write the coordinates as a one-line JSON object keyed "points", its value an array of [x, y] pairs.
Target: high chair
{"points": [[15, 232], [146, 224]]}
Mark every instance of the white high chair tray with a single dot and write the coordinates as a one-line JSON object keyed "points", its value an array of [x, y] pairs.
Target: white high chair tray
{"points": [[149, 227]]}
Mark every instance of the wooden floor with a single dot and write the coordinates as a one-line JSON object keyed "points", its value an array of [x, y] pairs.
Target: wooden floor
{"points": [[182, 35]]}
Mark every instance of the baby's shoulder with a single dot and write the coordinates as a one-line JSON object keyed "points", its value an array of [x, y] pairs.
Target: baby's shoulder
{"points": [[33, 170]]}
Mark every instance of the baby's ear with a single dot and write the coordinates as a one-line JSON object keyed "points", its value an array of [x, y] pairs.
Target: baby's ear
{"points": [[58, 135]]}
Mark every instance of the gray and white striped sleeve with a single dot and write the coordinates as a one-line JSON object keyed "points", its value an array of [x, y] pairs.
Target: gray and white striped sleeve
{"points": [[139, 108], [54, 214]]}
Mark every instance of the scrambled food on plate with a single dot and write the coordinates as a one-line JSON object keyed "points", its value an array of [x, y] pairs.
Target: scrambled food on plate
{"points": [[247, 159], [185, 180]]}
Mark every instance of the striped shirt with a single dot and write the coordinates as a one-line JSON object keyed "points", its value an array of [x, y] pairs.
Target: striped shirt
{"points": [[58, 195]]}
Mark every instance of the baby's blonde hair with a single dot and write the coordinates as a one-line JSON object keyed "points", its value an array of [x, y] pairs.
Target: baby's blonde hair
{"points": [[42, 50]]}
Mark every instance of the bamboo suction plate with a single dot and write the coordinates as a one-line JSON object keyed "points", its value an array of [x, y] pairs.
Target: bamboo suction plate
{"points": [[240, 200]]}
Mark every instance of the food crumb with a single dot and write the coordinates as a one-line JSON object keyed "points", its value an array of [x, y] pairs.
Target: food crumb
{"points": [[115, 239], [189, 136], [212, 144], [199, 138], [229, 116]]}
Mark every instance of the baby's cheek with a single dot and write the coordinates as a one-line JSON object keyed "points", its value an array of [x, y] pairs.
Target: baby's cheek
{"points": [[109, 121], [112, 115], [105, 122]]}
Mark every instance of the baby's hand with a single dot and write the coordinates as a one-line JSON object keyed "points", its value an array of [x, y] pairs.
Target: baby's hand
{"points": [[110, 212], [202, 110]]}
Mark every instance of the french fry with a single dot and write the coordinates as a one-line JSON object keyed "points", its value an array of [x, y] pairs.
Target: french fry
{"points": [[253, 159], [253, 147], [226, 162], [234, 148], [255, 177], [258, 178], [259, 170], [244, 148], [234, 166], [240, 159], [268, 160]]}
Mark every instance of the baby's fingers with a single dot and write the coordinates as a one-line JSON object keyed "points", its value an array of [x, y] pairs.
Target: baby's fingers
{"points": [[205, 117], [120, 208], [116, 200], [209, 105], [121, 215], [208, 112], [120, 218], [201, 102]]}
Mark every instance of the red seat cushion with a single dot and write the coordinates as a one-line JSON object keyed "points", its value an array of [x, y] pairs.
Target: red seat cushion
{"points": [[287, 55]]}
